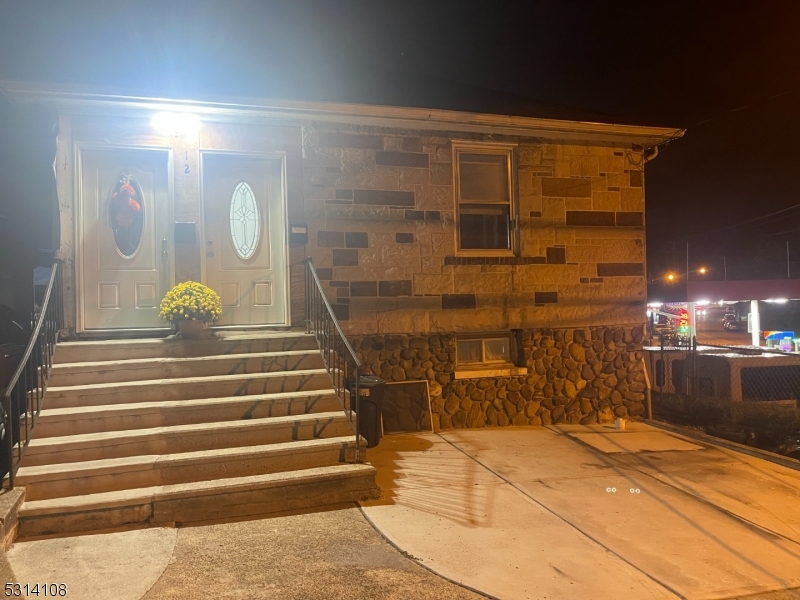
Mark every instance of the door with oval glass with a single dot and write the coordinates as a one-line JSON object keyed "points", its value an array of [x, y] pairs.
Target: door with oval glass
{"points": [[245, 245], [124, 238]]}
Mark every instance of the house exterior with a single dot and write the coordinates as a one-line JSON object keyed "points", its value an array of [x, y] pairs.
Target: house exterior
{"points": [[500, 260]]}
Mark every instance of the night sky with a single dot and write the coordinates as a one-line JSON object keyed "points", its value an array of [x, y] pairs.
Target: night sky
{"points": [[727, 71]]}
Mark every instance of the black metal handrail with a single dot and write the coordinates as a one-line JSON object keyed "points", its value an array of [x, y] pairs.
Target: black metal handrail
{"points": [[22, 397], [340, 359]]}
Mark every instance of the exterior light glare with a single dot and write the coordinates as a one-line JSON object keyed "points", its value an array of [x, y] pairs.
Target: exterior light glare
{"points": [[176, 123], [670, 276], [702, 270]]}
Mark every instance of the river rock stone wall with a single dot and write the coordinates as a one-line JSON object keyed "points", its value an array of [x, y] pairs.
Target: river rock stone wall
{"points": [[581, 375]]}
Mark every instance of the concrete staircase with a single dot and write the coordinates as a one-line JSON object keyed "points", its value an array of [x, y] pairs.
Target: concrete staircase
{"points": [[162, 432]]}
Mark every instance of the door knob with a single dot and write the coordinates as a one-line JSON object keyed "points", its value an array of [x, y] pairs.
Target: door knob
{"points": [[209, 249], [164, 247]]}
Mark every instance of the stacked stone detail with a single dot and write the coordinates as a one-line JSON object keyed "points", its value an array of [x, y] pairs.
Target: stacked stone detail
{"points": [[582, 375]]}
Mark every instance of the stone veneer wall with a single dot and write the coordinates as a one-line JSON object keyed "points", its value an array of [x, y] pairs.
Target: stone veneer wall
{"points": [[582, 375], [380, 208]]}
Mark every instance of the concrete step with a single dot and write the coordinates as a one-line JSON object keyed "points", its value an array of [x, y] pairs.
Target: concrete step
{"points": [[115, 371], [222, 343], [219, 499], [165, 431], [186, 388], [98, 476], [184, 438], [143, 415]]}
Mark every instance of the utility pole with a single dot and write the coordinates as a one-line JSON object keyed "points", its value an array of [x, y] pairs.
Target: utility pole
{"points": [[687, 266], [788, 262], [724, 268]]}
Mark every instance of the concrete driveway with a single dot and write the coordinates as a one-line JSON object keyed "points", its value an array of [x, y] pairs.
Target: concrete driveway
{"points": [[590, 512], [571, 512]]}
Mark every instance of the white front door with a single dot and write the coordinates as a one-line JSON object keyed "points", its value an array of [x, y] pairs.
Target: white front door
{"points": [[245, 239], [124, 238]]}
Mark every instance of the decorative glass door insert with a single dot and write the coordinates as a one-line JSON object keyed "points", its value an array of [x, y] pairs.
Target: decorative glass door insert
{"points": [[245, 224]]}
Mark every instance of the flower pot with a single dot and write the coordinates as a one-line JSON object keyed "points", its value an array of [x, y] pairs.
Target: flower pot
{"points": [[192, 330]]}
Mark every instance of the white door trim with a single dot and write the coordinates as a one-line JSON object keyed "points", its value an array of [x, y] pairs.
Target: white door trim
{"points": [[277, 155], [78, 148]]}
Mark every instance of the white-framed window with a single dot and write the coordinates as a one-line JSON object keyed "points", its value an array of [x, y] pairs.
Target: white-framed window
{"points": [[489, 350], [484, 188]]}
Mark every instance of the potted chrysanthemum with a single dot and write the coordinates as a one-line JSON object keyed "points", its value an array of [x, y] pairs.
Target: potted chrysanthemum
{"points": [[192, 306]]}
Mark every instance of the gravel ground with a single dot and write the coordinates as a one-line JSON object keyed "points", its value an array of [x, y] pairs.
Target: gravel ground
{"points": [[325, 555]]}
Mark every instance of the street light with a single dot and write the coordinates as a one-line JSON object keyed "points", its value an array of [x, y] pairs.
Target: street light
{"points": [[672, 277]]}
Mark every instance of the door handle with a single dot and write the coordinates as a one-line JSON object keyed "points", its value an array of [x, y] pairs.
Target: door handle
{"points": [[164, 274], [210, 249]]}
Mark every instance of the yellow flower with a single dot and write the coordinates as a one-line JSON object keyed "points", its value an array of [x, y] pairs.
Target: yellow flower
{"points": [[190, 300]]}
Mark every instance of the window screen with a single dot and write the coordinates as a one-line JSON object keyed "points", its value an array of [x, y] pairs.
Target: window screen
{"points": [[484, 200]]}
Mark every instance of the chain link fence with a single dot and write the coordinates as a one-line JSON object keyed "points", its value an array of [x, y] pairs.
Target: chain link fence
{"points": [[744, 394]]}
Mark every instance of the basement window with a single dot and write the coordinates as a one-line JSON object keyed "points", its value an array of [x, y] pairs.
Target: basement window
{"points": [[485, 356], [484, 198]]}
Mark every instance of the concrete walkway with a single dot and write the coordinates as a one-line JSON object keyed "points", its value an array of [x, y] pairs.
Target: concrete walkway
{"points": [[590, 512], [333, 555], [568, 512]]}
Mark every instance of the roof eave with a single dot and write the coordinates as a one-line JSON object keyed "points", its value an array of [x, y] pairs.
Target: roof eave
{"points": [[71, 100]]}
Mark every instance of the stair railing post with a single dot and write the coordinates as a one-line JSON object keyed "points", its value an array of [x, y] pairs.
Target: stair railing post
{"points": [[307, 275], [9, 438], [358, 408]]}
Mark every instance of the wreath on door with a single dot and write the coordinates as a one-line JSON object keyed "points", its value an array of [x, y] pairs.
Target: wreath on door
{"points": [[125, 205], [126, 215]]}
